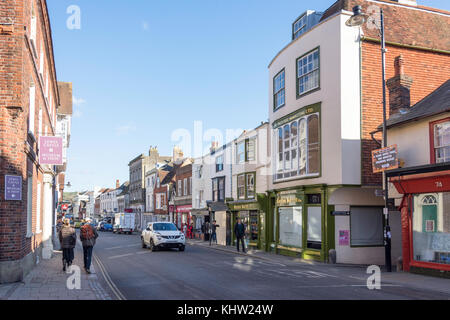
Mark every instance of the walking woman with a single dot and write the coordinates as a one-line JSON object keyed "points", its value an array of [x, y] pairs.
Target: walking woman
{"points": [[68, 239]]}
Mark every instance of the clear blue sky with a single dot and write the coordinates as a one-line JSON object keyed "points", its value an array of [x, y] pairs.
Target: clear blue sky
{"points": [[144, 68]]}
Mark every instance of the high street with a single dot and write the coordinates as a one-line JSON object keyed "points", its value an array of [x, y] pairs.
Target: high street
{"points": [[200, 272]]}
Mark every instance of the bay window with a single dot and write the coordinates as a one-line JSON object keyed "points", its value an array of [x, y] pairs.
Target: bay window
{"points": [[298, 148]]}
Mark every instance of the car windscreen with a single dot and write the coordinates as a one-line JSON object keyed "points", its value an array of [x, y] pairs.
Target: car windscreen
{"points": [[164, 227]]}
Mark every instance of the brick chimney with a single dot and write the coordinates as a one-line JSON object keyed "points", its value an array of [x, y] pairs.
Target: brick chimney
{"points": [[214, 146], [399, 88], [117, 184], [177, 153]]}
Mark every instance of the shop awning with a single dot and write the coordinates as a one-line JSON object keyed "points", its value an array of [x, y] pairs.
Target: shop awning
{"points": [[355, 196], [200, 212], [217, 206]]}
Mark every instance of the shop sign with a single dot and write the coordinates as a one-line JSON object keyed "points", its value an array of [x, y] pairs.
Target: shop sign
{"points": [[344, 237], [51, 150], [289, 198], [244, 206], [385, 159], [184, 209], [13, 188], [297, 114]]}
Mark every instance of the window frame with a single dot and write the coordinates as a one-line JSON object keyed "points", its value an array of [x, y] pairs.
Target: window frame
{"points": [[238, 160], [247, 144], [275, 93], [299, 95], [432, 137], [219, 166], [304, 15]]}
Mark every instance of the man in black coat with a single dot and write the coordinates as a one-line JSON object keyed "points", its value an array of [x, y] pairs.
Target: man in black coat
{"points": [[68, 239], [239, 231]]}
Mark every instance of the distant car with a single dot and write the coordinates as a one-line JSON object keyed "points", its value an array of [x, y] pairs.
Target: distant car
{"points": [[77, 224], [162, 235], [104, 226]]}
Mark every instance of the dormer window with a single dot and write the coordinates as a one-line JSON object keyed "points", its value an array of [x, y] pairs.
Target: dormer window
{"points": [[299, 27]]}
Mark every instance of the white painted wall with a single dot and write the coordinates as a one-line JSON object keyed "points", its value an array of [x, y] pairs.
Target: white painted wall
{"points": [[339, 94]]}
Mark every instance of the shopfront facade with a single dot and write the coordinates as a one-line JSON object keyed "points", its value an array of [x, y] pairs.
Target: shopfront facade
{"points": [[425, 210]]}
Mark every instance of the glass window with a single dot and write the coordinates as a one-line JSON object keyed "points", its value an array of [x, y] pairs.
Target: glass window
{"points": [[366, 226], [215, 190], [308, 72], [219, 163], [313, 144], [278, 90], [185, 187], [299, 148], [221, 189], [442, 142], [431, 227], [250, 185], [299, 27], [291, 226], [314, 236], [251, 144], [253, 225], [240, 152], [241, 186]]}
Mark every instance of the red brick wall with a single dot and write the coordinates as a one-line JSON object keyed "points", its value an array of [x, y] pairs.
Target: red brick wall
{"points": [[17, 67], [428, 69]]}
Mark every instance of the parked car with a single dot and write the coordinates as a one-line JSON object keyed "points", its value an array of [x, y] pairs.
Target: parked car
{"points": [[104, 226], [162, 235]]}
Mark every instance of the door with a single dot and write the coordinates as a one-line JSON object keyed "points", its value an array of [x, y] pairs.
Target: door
{"points": [[228, 226], [429, 217], [262, 231]]}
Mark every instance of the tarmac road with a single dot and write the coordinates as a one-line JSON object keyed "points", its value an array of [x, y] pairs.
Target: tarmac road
{"points": [[201, 273]]}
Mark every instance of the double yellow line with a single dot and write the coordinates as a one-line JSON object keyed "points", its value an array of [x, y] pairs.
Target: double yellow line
{"points": [[108, 279]]}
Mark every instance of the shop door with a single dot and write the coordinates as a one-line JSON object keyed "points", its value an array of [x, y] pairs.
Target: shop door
{"points": [[429, 218], [262, 231], [228, 226]]}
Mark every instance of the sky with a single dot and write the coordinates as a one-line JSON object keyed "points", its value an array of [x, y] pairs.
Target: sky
{"points": [[144, 71]]}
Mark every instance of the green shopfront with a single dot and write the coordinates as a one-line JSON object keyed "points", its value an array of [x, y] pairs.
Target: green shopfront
{"points": [[253, 215], [301, 223]]}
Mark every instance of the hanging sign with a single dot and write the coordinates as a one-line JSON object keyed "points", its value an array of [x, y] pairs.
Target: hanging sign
{"points": [[51, 151], [385, 159], [13, 188]]}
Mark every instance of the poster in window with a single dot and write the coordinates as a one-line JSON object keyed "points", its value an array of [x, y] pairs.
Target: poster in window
{"points": [[344, 237]]}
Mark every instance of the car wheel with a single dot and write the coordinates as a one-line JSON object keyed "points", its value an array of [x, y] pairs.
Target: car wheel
{"points": [[152, 246], [181, 248], [143, 244]]}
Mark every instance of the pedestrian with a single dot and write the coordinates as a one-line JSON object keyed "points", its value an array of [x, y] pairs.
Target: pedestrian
{"points": [[239, 231], [67, 238], [88, 235], [191, 230], [213, 236], [207, 231]]}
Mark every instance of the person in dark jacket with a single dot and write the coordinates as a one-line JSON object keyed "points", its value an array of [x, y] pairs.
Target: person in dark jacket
{"points": [[88, 235], [239, 231], [68, 239], [213, 236]]}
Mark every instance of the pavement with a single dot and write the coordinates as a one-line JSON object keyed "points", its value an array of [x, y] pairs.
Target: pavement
{"points": [[47, 281], [123, 270]]}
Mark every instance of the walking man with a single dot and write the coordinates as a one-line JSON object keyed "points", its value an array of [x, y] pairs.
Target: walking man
{"points": [[88, 235], [239, 231], [213, 236], [67, 239]]}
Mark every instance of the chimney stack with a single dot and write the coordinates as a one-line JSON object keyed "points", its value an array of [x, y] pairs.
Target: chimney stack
{"points": [[117, 184], [177, 154], [214, 146], [399, 88]]}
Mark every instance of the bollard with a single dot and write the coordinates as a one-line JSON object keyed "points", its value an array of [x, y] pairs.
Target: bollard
{"points": [[332, 256], [400, 264]]}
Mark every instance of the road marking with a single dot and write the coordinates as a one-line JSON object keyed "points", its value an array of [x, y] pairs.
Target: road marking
{"points": [[348, 285], [108, 280], [120, 247], [121, 256]]}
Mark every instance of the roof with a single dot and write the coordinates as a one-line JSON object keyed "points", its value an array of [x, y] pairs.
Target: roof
{"points": [[65, 98], [436, 102]]}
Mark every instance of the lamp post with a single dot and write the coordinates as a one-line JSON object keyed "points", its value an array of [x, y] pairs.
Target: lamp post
{"points": [[356, 20]]}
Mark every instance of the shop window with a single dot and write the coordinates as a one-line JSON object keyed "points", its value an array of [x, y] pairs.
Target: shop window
{"points": [[314, 238], [431, 228], [366, 226], [290, 220], [253, 225]]}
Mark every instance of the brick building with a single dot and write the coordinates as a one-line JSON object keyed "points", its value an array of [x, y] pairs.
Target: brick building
{"points": [[182, 193], [29, 99], [325, 105]]}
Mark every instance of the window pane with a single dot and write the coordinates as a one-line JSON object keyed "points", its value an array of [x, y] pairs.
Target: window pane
{"points": [[302, 146], [291, 226], [313, 144], [251, 149], [314, 224]]}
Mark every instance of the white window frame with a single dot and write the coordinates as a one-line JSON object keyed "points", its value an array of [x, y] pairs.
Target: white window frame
{"points": [[239, 153], [305, 74], [279, 90], [32, 109], [299, 26], [185, 187], [437, 146]]}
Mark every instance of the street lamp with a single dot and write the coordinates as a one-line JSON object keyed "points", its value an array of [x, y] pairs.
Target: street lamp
{"points": [[357, 20]]}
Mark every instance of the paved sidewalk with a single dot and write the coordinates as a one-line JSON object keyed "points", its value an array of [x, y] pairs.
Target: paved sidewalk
{"points": [[405, 279], [47, 281]]}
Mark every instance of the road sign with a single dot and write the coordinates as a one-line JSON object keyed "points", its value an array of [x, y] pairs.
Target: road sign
{"points": [[384, 159], [13, 188], [51, 150]]}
